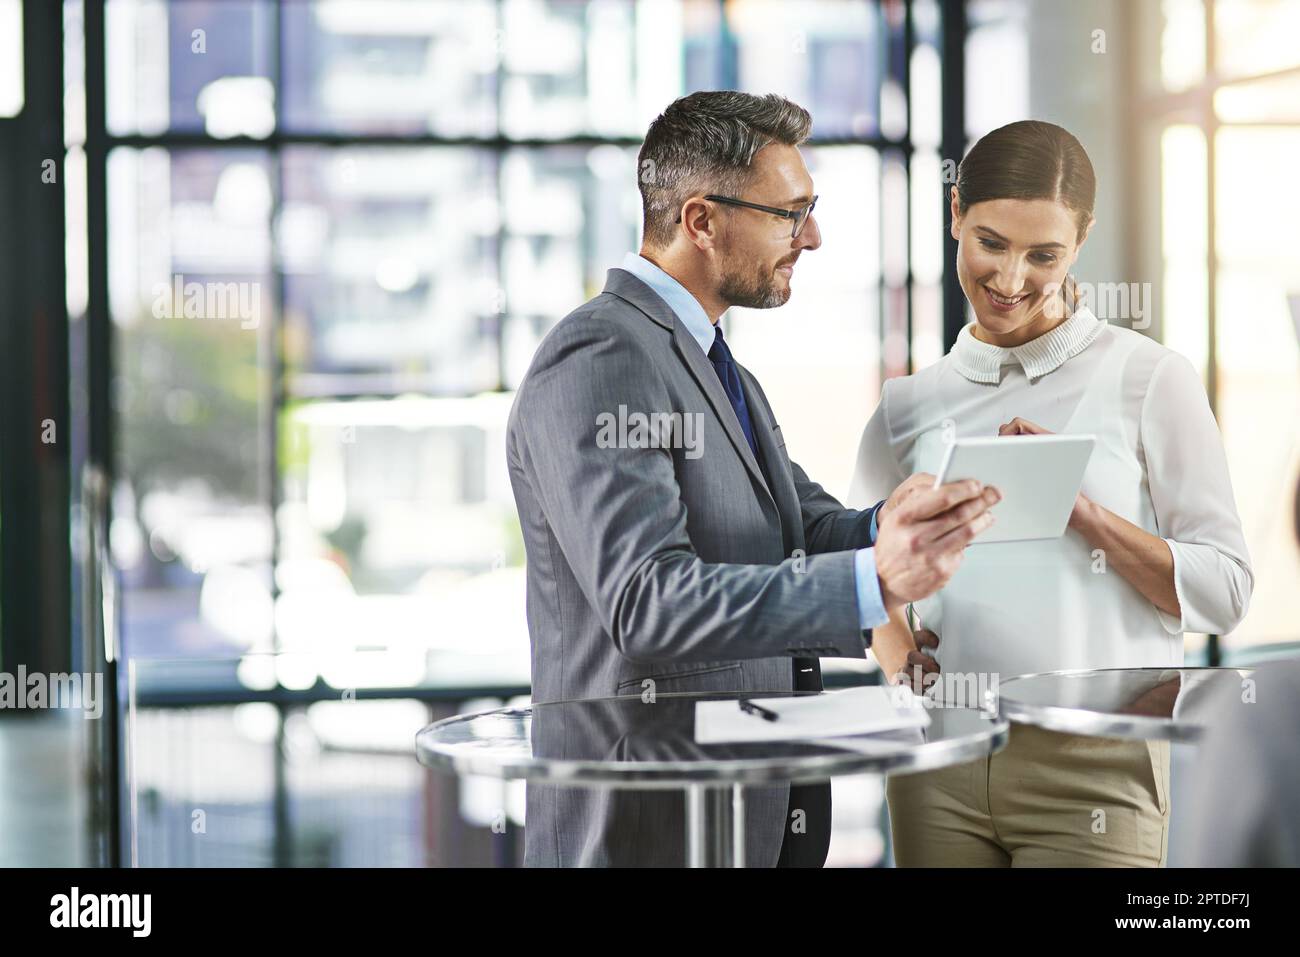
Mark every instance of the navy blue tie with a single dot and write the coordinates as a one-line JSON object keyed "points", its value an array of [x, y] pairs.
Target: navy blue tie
{"points": [[725, 367], [804, 850]]}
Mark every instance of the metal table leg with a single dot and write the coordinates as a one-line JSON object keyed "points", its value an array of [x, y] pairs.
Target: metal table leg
{"points": [[737, 825], [715, 826]]}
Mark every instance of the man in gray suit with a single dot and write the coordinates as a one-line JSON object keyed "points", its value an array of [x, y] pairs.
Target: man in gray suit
{"points": [[672, 544]]}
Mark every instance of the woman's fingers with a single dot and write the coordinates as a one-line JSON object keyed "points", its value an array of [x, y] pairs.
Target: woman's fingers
{"points": [[919, 664], [1019, 426], [919, 659], [915, 673]]}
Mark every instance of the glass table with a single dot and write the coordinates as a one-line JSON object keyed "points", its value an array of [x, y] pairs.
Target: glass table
{"points": [[629, 743], [1150, 704]]}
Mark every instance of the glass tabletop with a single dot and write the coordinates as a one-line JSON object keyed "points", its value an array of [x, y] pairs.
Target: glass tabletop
{"points": [[627, 742], [1170, 704]]}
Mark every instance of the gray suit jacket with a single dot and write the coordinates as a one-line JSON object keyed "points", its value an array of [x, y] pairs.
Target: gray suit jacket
{"points": [[678, 565]]}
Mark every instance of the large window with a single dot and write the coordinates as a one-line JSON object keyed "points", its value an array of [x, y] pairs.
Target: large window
{"points": [[334, 232], [868, 304], [1224, 95]]}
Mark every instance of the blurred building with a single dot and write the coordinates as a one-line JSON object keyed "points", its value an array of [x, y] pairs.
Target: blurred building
{"points": [[299, 252]]}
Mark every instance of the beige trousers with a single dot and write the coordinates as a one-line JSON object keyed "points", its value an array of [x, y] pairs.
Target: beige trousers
{"points": [[1046, 800]]}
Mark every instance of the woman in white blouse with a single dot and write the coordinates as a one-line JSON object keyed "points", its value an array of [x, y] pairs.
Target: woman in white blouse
{"points": [[1154, 547]]}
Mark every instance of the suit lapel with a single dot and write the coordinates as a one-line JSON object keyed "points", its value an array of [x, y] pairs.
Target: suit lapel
{"points": [[806, 673], [627, 287], [782, 480], [698, 364]]}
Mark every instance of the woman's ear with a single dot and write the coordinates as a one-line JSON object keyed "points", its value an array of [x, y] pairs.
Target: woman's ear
{"points": [[955, 209], [1087, 231]]}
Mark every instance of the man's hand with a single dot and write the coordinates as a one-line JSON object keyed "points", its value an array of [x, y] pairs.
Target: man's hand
{"points": [[915, 673], [918, 481], [921, 545]]}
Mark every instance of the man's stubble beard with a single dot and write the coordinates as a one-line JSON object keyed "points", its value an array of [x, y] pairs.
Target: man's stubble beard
{"points": [[744, 285]]}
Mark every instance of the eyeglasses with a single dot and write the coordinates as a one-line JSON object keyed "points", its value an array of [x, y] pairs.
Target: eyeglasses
{"points": [[800, 216]]}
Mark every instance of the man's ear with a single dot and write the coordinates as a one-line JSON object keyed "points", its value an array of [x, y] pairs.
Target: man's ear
{"points": [[699, 222], [955, 210]]}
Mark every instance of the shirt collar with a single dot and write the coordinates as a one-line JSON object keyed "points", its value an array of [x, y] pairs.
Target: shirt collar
{"points": [[983, 361], [685, 307]]}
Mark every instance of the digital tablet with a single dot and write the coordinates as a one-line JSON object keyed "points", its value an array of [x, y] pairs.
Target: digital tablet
{"points": [[1038, 475]]}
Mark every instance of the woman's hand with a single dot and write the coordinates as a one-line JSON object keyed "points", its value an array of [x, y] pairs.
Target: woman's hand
{"points": [[915, 674], [1144, 560], [1019, 426]]}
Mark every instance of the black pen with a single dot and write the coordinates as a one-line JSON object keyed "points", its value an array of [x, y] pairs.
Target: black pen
{"points": [[749, 707]]}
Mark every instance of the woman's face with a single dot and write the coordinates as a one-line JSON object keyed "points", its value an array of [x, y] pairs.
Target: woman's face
{"points": [[1012, 257]]}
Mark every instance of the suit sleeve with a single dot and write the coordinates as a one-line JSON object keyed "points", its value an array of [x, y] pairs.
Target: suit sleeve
{"points": [[619, 519], [827, 525]]}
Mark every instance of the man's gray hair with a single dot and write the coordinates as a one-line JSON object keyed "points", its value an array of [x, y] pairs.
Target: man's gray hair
{"points": [[705, 143]]}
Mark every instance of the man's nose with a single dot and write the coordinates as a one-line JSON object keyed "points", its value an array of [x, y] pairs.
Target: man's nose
{"points": [[810, 237]]}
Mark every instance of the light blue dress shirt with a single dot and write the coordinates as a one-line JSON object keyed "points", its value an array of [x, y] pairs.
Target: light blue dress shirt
{"points": [[871, 606]]}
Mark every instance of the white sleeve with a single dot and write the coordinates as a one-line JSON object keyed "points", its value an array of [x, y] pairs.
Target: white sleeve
{"points": [[1187, 473], [876, 473]]}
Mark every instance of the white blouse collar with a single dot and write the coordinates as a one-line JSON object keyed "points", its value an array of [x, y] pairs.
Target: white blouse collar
{"points": [[982, 361]]}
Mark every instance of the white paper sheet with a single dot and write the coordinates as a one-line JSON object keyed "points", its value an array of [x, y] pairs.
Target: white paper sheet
{"points": [[834, 714]]}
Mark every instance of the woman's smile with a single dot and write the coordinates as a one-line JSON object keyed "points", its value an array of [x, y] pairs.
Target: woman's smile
{"points": [[1004, 303]]}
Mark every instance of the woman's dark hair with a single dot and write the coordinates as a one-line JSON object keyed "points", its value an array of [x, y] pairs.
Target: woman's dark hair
{"points": [[1029, 160]]}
